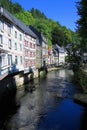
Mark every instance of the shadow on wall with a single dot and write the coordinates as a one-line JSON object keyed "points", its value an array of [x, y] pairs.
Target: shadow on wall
{"points": [[29, 81], [28, 76], [7, 89]]}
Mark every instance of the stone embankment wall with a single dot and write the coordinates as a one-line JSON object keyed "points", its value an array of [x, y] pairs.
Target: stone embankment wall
{"points": [[15, 81], [19, 78]]}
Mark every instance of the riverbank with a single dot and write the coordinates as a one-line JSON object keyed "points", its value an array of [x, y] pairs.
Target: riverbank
{"points": [[81, 77], [15, 81]]}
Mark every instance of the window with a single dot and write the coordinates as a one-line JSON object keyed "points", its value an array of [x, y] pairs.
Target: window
{"points": [[30, 45], [21, 60], [20, 37], [20, 47], [26, 43], [9, 29], [1, 25], [16, 60], [9, 59], [0, 61], [15, 34], [15, 46], [30, 54], [9, 44], [34, 46], [1, 40], [26, 52]]}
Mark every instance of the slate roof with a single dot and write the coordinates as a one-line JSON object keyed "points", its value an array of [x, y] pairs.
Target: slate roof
{"points": [[16, 22], [59, 49]]}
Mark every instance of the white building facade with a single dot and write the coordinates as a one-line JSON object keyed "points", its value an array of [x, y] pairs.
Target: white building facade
{"points": [[15, 45], [59, 55], [11, 47]]}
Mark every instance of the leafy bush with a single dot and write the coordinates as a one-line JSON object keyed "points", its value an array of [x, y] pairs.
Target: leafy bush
{"points": [[81, 78]]}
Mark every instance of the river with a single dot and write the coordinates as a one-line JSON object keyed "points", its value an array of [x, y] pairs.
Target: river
{"points": [[50, 106]]}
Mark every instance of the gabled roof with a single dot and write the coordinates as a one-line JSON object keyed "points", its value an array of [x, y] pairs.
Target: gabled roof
{"points": [[35, 31], [16, 22], [59, 49], [54, 51]]}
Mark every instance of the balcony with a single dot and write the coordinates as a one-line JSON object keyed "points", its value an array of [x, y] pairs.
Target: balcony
{"points": [[4, 50]]}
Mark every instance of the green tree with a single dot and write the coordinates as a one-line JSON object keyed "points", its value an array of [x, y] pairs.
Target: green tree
{"points": [[82, 23], [26, 18], [6, 4], [68, 36], [37, 13], [11, 7], [16, 8], [57, 36], [43, 26]]}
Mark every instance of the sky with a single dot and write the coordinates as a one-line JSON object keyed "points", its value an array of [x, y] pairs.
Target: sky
{"points": [[62, 11]]}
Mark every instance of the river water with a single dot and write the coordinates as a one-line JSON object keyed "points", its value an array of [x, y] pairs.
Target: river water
{"points": [[50, 106]]}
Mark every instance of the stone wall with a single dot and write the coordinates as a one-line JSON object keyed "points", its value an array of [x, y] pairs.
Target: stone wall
{"points": [[14, 81]]}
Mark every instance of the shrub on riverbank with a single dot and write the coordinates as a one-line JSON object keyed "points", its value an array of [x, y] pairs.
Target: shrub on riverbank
{"points": [[80, 77]]}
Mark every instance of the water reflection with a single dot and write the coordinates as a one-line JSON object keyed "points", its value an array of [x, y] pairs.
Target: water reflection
{"points": [[50, 106], [65, 116]]}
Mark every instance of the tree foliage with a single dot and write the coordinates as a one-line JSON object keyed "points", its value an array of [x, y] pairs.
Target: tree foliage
{"points": [[37, 13], [82, 23], [26, 17], [6, 4], [16, 8], [57, 36], [10, 6]]}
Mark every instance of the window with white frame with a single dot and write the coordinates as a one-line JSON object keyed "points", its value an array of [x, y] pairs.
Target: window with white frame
{"points": [[9, 29], [1, 39], [1, 25], [15, 34], [16, 60], [21, 60], [15, 46], [9, 44], [20, 47], [9, 59], [20, 37]]}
